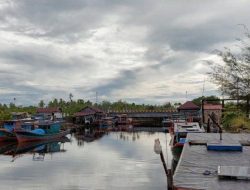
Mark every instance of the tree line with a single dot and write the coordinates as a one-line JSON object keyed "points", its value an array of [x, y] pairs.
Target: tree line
{"points": [[72, 106]]}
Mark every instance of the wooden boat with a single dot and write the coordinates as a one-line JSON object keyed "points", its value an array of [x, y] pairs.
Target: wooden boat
{"points": [[7, 146], [7, 136], [46, 131], [39, 146], [179, 132], [7, 132]]}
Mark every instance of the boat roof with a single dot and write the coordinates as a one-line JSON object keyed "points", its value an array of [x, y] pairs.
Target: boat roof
{"points": [[19, 120], [48, 122], [186, 127], [196, 161]]}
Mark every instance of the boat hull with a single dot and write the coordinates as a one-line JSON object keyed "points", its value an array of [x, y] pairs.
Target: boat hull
{"points": [[176, 151], [25, 136], [7, 136]]}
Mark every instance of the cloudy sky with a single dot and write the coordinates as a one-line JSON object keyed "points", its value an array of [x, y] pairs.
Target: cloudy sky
{"points": [[134, 50]]}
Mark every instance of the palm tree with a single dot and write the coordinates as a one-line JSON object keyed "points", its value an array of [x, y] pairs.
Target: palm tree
{"points": [[70, 96]]}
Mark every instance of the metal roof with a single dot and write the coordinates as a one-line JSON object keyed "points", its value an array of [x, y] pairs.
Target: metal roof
{"points": [[88, 111], [189, 105]]}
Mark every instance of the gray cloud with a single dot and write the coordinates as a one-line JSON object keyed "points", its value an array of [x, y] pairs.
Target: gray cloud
{"points": [[50, 48]]}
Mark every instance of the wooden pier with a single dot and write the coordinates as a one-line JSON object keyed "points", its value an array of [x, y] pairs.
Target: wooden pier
{"points": [[203, 156]]}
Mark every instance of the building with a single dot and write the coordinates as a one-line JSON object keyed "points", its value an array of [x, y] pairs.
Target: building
{"points": [[89, 115], [190, 109], [19, 115], [212, 109], [49, 113]]}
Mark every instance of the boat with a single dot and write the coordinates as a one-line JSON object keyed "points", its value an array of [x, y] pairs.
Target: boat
{"points": [[7, 135], [37, 148], [7, 146], [7, 132], [46, 130], [179, 132]]}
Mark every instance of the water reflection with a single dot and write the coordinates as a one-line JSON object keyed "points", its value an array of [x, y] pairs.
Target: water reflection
{"points": [[116, 160], [38, 150]]}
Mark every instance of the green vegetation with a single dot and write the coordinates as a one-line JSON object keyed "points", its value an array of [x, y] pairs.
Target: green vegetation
{"points": [[72, 106], [214, 100], [6, 110], [233, 79], [236, 122]]}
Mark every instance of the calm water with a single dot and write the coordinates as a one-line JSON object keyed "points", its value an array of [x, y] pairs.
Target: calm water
{"points": [[115, 161]]}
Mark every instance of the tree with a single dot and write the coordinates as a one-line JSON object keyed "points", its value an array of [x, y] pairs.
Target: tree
{"points": [[214, 100], [233, 76], [70, 96], [41, 104]]}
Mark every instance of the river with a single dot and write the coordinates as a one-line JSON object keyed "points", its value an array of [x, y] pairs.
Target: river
{"points": [[117, 160]]}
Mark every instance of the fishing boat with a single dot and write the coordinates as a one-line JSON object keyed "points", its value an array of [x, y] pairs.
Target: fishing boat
{"points": [[46, 130], [7, 146], [179, 133], [7, 132]]}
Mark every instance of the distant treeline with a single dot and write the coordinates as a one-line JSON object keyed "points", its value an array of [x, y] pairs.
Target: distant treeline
{"points": [[72, 106]]}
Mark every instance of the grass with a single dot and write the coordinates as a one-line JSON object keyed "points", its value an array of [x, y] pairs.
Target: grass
{"points": [[236, 122]]}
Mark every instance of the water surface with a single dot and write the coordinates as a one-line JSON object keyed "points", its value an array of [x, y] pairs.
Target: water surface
{"points": [[118, 160]]}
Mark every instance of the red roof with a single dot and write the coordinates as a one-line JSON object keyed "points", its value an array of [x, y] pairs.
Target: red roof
{"points": [[48, 110], [212, 107], [88, 111], [189, 105]]}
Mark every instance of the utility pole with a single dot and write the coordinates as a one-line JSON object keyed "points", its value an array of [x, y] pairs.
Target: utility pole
{"points": [[203, 88], [96, 98]]}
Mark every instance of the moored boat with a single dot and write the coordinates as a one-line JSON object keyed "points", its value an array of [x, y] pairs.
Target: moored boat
{"points": [[179, 132], [46, 131], [7, 132], [7, 135]]}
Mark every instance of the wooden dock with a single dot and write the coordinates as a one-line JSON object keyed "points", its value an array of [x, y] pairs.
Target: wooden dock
{"points": [[198, 167]]}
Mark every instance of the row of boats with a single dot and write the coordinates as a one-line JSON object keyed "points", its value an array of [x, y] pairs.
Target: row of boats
{"points": [[25, 130]]}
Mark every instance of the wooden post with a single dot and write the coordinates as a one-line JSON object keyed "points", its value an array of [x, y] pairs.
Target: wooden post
{"points": [[223, 105], [203, 113], [248, 106], [164, 163], [208, 126]]}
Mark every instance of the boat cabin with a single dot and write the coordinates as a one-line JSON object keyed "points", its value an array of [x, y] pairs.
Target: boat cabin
{"points": [[182, 129], [50, 128], [53, 113], [10, 125], [28, 126]]}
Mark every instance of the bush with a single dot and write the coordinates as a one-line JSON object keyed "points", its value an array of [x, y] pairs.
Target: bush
{"points": [[4, 115], [235, 122]]}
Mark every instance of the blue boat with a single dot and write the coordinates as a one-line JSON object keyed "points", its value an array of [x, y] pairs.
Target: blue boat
{"points": [[45, 131], [7, 132]]}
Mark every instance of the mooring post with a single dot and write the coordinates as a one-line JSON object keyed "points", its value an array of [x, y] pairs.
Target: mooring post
{"points": [[158, 150], [164, 163]]}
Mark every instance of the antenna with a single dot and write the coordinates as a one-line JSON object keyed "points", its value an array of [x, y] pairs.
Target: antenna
{"points": [[96, 98], [203, 88], [186, 95]]}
